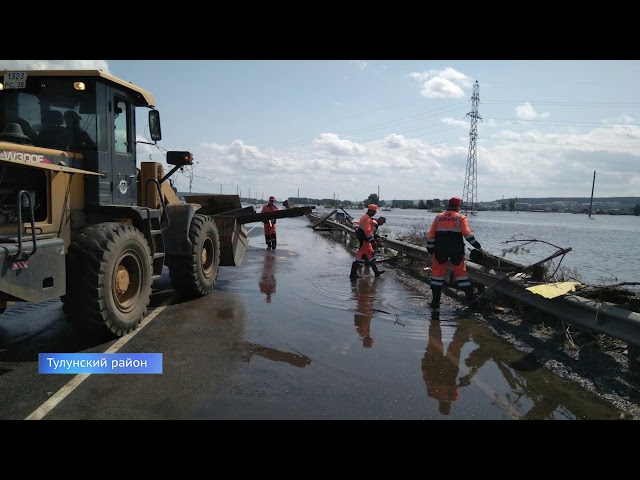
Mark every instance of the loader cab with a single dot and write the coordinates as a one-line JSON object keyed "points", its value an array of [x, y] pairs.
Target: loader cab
{"points": [[88, 116]]}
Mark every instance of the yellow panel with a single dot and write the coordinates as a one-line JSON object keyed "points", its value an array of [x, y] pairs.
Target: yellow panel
{"points": [[553, 290]]}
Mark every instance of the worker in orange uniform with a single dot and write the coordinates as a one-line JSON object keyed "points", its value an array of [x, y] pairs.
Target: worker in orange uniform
{"points": [[445, 242], [366, 253], [270, 225]]}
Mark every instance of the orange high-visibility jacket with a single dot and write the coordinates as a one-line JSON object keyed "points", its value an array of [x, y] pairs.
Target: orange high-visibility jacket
{"points": [[447, 232], [367, 225], [269, 226]]}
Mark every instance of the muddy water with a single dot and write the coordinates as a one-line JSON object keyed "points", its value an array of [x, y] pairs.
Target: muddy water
{"points": [[324, 347]]}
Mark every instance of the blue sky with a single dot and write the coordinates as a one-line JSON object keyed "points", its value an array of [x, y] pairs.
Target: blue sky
{"points": [[347, 128]]}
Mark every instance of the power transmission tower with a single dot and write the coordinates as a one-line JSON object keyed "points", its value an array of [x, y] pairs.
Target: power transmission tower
{"points": [[470, 191]]}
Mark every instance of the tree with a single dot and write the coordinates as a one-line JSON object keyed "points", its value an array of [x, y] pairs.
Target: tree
{"points": [[373, 198], [512, 205], [421, 204], [636, 210], [430, 204]]}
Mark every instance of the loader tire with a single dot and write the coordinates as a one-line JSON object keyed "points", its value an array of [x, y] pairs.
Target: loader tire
{"points": [[109, 277], [195, 275]]}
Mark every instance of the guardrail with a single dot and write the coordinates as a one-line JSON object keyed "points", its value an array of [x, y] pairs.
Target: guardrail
{"points": [[584, 313]]}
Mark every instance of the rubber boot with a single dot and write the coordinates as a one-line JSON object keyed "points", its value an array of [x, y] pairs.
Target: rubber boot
{"points": [[354, 271], [376, 270], [435, 302], [471, 298], [273, 244], [267, 240]]}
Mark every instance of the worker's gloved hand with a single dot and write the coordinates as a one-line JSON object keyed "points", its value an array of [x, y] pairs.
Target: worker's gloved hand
{"points": [[481, 252]]}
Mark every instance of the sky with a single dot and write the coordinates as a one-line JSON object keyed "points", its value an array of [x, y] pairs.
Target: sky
{"points": [[345, 129]]}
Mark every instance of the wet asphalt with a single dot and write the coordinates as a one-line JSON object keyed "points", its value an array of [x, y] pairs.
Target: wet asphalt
{"points": [[289, 336]]}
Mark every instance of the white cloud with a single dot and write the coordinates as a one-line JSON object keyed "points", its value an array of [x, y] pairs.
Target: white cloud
{"points": [[527, 112], [527, 164], [510, 163], [354, 170], [333, 144], [445, 83], [440, 88], [395, 141]]}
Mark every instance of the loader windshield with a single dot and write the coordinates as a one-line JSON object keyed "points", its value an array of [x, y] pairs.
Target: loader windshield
{"points": [[52, 113]]}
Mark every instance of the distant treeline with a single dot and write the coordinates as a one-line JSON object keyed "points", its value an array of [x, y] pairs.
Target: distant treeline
{"points": [[624, 202], [621, 200]]}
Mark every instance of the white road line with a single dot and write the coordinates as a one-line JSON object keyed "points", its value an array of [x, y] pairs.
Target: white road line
{"points": [[61, 394]]}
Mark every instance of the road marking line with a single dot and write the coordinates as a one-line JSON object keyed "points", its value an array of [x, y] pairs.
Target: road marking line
{"points": [[61, 394]]}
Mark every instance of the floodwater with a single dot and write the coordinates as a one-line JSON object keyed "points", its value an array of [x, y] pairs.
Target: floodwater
{"points": [[289, 336], [332, 348]]}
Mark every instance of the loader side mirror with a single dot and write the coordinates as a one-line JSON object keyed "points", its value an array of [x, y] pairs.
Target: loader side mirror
{"points": [[179, 159], [154, 125]]}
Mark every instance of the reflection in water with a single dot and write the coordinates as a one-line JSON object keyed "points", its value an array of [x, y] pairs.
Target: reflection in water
{"points": [[440, 368], [529, 393], [364, 292], [268, 282], [295, 359]]}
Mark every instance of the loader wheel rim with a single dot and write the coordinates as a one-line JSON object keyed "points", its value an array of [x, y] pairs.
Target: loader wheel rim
{"points": [[127, 281], [207, 257]]}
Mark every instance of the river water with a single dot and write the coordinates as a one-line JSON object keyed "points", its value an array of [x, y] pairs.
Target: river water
{"points": [[604, 249]]}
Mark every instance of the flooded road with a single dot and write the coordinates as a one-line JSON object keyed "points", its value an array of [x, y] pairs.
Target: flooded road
{"points": [[289, 336]]}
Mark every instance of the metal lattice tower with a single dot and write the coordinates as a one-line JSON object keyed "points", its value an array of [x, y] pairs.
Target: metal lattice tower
{"points": [[470, 191]]}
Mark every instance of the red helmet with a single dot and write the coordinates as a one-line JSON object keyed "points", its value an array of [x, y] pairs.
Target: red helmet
{"points": [[372, 206], [455, 202]]}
